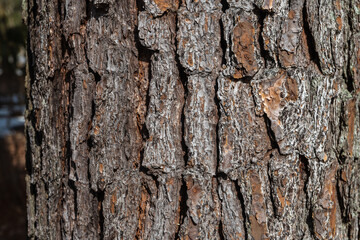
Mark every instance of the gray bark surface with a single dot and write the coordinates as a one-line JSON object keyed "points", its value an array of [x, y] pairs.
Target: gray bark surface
{"points": [[193, 119]]}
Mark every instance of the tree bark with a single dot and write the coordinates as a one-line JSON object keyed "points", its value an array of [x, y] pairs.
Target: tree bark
{"points": [[200, 119]]}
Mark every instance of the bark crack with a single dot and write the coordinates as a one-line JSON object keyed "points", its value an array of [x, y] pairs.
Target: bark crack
{"points": [[349, 77], [183, 207], [223, 43], [221, 231], [243, 209], [309, 218], [96, 10], [100, 195], [344, 217], [271, 134], [314, 55], [272, 189], [72, 185], [184, 79], [225, 5], [265, 54]]}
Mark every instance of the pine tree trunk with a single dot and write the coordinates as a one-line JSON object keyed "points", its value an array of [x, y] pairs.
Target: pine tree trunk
{"points": [[200, 119]]}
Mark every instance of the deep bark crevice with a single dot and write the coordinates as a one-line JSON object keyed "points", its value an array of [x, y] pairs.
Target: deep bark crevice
{"points": [[265, 54], [34, 11], [314, 55], [223, 43], [183, 207], [221, 231], [28, 155], [184, 80], [34, 193], [225, 5], [344, 216], [272, 189], [349, 80], [144, 54], [100, 195], [309, 218], [271, 134], [243, 209], [39, 135], [140, 4], [73, 187], [60, 10], [96, 10]]}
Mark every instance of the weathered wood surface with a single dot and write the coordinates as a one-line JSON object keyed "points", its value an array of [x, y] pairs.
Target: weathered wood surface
{"points": [[193, 119]]}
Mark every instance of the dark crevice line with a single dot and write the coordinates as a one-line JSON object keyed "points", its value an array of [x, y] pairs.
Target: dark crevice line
{"points": [[271, 134], [272, 188], [246, 79], [96, 10], [185, 148], [140, 4], [34, 193], [73, 187], [97, 79], [221, 231], [314, 55], [90, 138], [265, 54], [225, 5], [218, 174], [184, 80], [100, 195], [34, 10], [144, 54], [243, 209], [28, 156], [68, 116], [88, 10], [344, 217], [183, 207], [341, 155], [223, 43], [349, 80], [60, 9], [309, 218]]}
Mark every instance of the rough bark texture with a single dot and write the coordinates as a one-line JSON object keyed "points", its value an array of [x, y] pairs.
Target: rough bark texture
{"points": [[193, 119]]}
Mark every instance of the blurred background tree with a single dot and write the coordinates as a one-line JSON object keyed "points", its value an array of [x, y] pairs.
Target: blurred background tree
{"points": [[12, 139], [12, 48]]}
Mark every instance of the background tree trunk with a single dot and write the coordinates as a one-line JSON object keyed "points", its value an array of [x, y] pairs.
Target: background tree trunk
{"points": [[200, 119]]}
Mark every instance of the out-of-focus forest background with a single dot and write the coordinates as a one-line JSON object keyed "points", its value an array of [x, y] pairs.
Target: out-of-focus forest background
{"points": [[12, 106]]}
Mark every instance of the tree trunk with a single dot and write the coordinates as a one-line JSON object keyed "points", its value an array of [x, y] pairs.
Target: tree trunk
{"points": [[200, 119]]}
